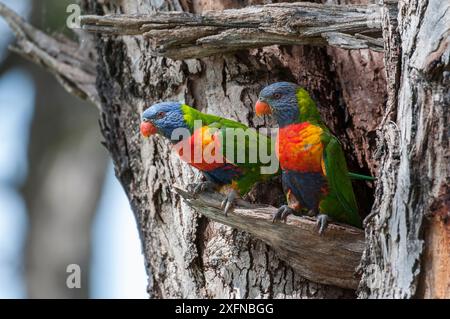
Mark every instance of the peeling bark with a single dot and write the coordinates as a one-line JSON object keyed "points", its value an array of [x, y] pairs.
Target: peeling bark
{"points": [[414, 175], [182, 35], [330, 258]]}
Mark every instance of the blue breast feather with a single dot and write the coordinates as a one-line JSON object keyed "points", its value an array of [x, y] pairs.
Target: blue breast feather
{"points": [[306, 187], [224, 175]]}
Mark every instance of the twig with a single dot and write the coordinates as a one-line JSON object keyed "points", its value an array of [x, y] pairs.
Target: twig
{"points": [[69, 62]]}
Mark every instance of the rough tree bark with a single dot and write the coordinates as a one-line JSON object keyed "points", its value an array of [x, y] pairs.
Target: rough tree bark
{"points": [[188, 255], [408, 231]]}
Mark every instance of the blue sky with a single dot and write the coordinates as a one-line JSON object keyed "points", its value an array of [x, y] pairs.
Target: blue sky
{"points": [[117, 263], [16, 112]]}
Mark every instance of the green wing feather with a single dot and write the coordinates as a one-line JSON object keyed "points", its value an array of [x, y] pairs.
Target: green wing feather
{"points": [[339, 183], [246, 149], [191, 115]]}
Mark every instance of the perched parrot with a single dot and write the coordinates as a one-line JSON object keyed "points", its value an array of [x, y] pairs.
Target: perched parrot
{"points": [[220, 169], [314, 170]]}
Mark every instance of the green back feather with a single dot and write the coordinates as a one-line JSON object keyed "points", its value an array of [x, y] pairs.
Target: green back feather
{"points": [[252, 170], [340, 203], [307, 107], [191, 115], [340, 186]]}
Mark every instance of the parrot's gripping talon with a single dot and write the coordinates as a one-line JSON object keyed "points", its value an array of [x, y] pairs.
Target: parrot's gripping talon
{"points": [[282, 213], [202, 187], [229, 202], [322, 223]]}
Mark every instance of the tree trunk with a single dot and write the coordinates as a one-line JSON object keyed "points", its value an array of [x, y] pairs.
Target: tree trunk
{"points": [[408, 233], [187, 254], [388, 111]]}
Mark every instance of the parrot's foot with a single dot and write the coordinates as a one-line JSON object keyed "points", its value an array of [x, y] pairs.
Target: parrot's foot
{"points": [[322, 223], [202, 187], [229, 202], [282, 213], [312, 213]]}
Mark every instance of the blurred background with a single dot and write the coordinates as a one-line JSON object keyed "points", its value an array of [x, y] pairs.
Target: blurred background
{"points": [[60, 203]]}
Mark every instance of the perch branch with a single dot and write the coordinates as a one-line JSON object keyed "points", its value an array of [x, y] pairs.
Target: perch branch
{"points": [[182, 35], [328, 259], [69, 62]]}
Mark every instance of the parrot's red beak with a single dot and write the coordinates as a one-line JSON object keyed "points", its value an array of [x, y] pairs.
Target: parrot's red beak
{"points": [[262, 108], [148, 129]]}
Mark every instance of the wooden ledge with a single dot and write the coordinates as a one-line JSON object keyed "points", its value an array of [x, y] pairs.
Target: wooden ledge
{"points": [[328, 259]]}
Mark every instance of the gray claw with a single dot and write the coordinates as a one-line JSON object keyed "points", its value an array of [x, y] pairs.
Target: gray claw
{"points": [[229, 202], [203, 186], [312, 213], [282, 213], [322, 223]]}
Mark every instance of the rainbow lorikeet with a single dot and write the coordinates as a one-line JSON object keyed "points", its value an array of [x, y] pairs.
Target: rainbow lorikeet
{"points": [[200, 140], [314, 171]]}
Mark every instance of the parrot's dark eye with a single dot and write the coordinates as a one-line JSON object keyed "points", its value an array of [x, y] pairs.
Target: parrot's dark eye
{"points": [[160, 115], [277, 96], [144, 120]]}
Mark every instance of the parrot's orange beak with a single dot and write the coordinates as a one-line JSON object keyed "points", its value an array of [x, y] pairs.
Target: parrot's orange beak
{"points": [[262, 108], [148, 129]]}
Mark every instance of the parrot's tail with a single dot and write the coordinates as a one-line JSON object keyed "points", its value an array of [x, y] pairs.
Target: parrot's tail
{"points": [[361, 177]]}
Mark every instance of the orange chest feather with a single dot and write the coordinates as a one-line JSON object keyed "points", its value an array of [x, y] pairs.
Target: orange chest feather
{"points": [[201, 150], [299, 148]]}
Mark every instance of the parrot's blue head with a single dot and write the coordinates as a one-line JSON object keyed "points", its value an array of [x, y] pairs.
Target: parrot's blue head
{"points": [[280, 100], [163, 118]]}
